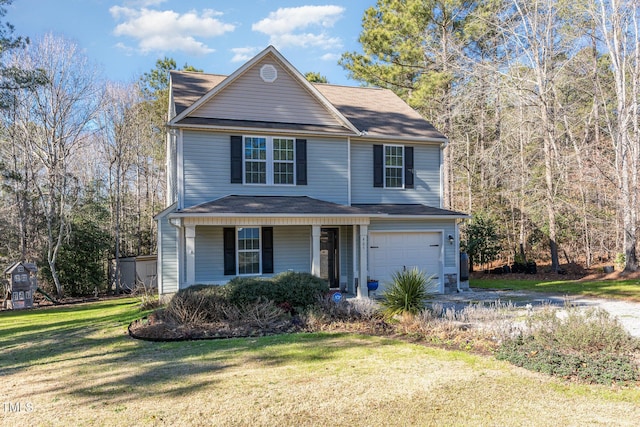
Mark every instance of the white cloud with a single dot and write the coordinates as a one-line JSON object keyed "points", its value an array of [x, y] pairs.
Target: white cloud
{"points": [[243, 54], [144, 3], [166, 30], [330, 57], [286, 26]]}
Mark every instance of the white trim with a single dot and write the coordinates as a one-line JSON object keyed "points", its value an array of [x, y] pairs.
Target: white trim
{"points": [[354, 248], [237, 237], [316, 233], [269, 160], [364, 257], [384, 166], [160, 259], [190, 254], [241, 129], [400, 139]]}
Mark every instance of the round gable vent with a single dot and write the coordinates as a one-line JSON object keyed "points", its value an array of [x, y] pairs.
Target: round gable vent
{"points": [[268, 73]]}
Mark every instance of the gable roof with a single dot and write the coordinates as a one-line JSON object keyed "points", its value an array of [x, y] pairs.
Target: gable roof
{"points": [[359, 111]]}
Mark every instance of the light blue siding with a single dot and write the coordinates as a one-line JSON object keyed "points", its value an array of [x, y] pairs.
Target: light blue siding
{"points": [[426, 179], [168, 249], [209, 254], [291, 251], [207, 170], [446, 226]]}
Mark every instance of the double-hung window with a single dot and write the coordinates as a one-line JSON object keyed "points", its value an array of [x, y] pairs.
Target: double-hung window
{"points": [[255, 160], [269, 160], [249, 250], [393, 166]]}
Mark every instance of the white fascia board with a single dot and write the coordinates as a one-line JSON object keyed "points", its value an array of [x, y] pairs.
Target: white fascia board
{"points": [[381, 138], [164, 212], [241, 215], [244, 130]]}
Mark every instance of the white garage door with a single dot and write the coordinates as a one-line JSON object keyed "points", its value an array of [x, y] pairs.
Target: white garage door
{"points": [[392, 251]]}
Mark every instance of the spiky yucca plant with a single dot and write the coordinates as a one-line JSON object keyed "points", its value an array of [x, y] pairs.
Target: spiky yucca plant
{"points": [[407, 293]]}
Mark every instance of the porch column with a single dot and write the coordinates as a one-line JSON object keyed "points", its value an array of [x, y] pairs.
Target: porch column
{"points": [[190, 253], [315, 250], [354, 249], [364, 252]]}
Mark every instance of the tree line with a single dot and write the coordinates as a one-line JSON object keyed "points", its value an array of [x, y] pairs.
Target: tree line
{"points": [[539, 100], [81, 160]]}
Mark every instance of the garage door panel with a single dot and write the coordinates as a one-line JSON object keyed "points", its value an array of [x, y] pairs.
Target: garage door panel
{"points": [[392, 252]]}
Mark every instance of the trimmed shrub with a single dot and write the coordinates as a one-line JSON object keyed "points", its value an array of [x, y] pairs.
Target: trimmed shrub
{"points": [[288, 289], [407, 293]]}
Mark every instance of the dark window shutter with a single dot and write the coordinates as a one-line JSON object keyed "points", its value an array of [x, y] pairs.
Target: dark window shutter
{"points": [[301, 162], [229, 235], [408, 167], [378, 166], [236, 159], [267, 250]]}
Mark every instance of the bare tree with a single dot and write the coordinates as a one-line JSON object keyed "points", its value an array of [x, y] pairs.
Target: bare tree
{"points": [[55, 118], [617, 21]]}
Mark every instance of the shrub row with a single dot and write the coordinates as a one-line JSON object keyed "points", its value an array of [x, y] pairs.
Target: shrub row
{"points": [[290, 289]]}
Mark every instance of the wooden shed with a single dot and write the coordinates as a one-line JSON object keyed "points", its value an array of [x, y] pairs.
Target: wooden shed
{"points": [[22, 284]]}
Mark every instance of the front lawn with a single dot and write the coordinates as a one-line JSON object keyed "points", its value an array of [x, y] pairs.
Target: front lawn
{"points": [[621, 289], [77, 366]]}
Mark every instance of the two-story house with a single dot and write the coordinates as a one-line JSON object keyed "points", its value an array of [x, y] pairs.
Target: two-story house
{"points": [[268, 173]]}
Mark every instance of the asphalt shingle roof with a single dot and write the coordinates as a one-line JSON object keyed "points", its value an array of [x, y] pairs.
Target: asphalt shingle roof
{"points": [[304, 205], [373, 111]]}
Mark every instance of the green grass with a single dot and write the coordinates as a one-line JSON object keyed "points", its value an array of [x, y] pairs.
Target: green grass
{"points": [[77, 366], [620, 289]]}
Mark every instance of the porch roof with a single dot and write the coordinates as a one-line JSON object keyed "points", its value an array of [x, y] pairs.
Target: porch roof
{"points": [[270, 205], [415, 210]]}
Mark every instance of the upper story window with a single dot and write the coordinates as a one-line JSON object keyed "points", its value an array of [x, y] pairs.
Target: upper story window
{"points": [[393, 166], [255, 160], [269, 160]]}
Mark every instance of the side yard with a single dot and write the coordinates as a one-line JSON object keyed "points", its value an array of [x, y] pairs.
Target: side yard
{"points": [[77, 366]]}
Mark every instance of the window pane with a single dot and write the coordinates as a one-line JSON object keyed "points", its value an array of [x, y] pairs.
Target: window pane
{"points": [[393, 177], [283, 156], [283, 173], [256, 172], [255, 148], [249, 263]]}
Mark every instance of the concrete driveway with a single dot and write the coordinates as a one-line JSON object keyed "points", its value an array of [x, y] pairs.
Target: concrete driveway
{"points": [[627, 313]]}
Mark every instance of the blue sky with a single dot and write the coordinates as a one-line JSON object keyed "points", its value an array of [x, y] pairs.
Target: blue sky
{"points": [[126, 37]]}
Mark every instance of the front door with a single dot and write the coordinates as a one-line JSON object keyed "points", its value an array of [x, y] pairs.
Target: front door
{"points": [[329, 256]]}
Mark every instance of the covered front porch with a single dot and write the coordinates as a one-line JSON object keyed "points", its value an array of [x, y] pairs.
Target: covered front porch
{"points": [[267, 235]]}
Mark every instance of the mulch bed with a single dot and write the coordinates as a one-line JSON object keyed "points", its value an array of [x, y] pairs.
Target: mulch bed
{"points": [[153, 328]]}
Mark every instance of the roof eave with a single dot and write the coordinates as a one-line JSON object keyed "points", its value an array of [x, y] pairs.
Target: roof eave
{"points": [[245, 129], [413, 139], [270, 215]]}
